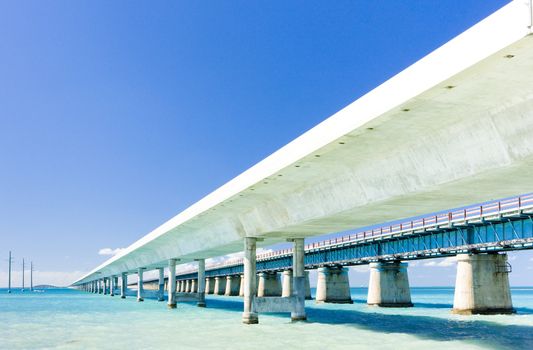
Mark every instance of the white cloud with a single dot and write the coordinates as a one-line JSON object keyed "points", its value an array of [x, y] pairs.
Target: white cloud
{"points": [[446, 262], [110, 251]]}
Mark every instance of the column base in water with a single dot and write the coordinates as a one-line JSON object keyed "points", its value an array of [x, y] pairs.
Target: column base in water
{"points": [[333, 286], [269, 284], [250, 318], [482, 285], [389, 285]]}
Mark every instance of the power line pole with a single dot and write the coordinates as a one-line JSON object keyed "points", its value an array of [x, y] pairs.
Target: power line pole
{"points": [[31, 276], [22, 274], [9, 274]]}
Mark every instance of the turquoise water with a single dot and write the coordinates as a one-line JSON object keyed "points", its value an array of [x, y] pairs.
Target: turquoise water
{"points": [[67, 319]]}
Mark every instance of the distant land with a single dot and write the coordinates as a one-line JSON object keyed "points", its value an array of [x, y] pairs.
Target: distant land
{"points": [[46, 286]]}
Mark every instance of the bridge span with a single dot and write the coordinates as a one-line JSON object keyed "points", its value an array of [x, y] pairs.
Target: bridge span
{"points": [[491, 228], [452, 129]]}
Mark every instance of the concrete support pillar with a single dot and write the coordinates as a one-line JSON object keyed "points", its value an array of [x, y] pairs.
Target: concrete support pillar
{"points": [[389, 285], [333, 286], [220, 285], [482, 285], [112, 286], [140, 285], [298, 280], [286, 289], [193, 286], [233, 284], [209, 285], [123, 285], [161, 289], [201, 283], [286, 284], [241, 289], [179, 286], [269, 285], [98, 287], [105, 285], [187, 286], [307, 287], [249, 316], [171, 283], [116, 283]]}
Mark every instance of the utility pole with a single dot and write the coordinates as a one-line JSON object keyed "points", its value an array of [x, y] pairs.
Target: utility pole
{"points": [[9, 274], [22, 274], [31, 276]]}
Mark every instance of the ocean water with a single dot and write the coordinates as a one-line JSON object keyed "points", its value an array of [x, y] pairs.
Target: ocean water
{"points": [[69, 319]]}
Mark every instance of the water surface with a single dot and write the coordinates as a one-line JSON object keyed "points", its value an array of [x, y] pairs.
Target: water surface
{"points": [[68, 319]]}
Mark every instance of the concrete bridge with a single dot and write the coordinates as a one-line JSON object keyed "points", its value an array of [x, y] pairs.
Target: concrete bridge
{"points": [[454, 128], [479, 236]]}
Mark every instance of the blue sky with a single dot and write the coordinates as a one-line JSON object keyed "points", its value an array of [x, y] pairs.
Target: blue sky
{"points": [[116, 115]]}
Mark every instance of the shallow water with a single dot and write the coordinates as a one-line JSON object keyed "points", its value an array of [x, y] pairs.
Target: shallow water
{"points": [[68, 319]]}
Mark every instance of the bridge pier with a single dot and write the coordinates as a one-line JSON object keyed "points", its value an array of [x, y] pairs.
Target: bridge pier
{"points": [[286, 288], [123, 285], [269, 284], [233, 283], [161, 289], [241, 288], [112, 286], [140, 285], [187, 286], [201, 283], [307, 287], [482, 285], [298, 280], [209, 285], [193, 286], [389, 285], [220, 285], [249, 315], [105, 285], [171, 302], [333, 286]]}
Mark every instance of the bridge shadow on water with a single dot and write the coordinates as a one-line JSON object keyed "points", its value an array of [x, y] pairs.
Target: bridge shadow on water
{"points": [[485, 333], [519, 310]]}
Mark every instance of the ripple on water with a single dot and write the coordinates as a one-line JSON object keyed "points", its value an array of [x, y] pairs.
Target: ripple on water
{"points": [[66, 319]]}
